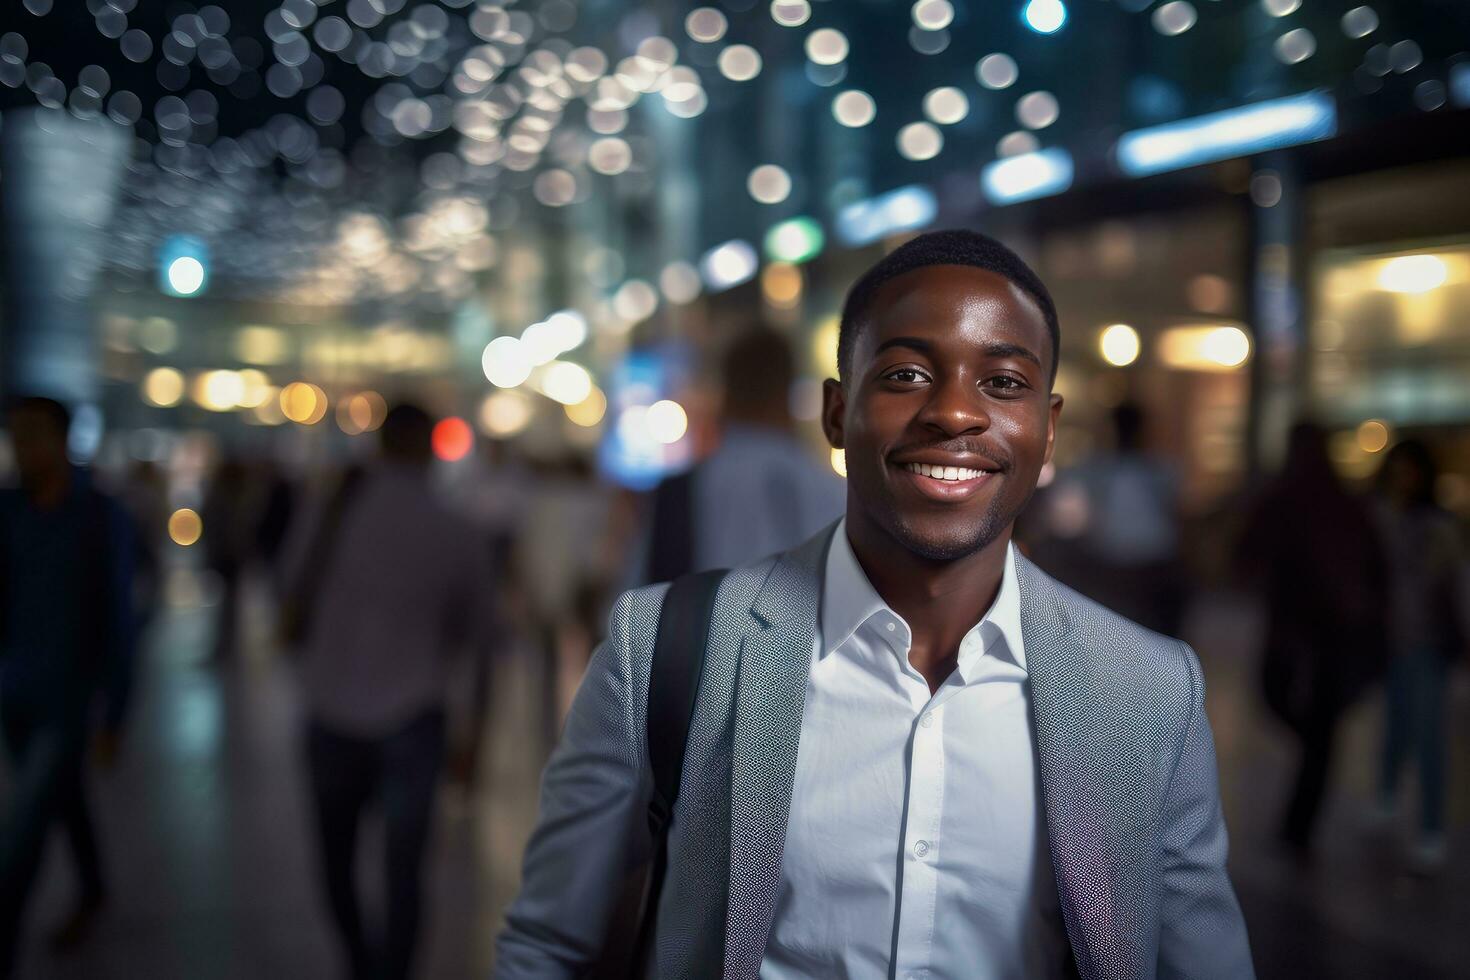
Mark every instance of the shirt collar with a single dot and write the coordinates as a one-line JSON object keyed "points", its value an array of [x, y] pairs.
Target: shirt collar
{"points": [[849, 600]]}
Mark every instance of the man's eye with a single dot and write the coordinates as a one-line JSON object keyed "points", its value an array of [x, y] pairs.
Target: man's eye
{"points": [[1004, 382], [904, 376]]}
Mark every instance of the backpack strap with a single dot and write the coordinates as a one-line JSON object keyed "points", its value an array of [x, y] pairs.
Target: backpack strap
{"points": [[673, 686]]}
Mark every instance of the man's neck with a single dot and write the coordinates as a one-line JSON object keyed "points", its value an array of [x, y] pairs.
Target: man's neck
{"points": [[940, 600]]}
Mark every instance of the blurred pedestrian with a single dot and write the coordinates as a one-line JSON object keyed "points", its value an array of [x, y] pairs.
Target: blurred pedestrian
{"points": [[1312, 546], [144, 496], [1425, 557], [396, 581], [761, 491], [229, 527], [65, 636], [1131, 539]]}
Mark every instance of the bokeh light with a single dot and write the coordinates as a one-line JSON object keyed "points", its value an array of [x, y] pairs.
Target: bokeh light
{"points": [[185, 527], [566, 382], [505, 413], [505, 362], [997, 71], [590, 411], [946, 106], [933, 15], [453, 439], [920, 141], [740, 62], [769, 184], [1045, 16], [854, 108], [186, 275], [361, 412], [791, 13], [1373, 436], [666, 421], [1119, 345], [163, 387], [303, 403], [827, 46], [1412, 274]]}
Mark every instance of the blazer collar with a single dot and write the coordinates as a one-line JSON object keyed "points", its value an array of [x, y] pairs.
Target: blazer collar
{"points": [[775, 656], [1090, 773]]}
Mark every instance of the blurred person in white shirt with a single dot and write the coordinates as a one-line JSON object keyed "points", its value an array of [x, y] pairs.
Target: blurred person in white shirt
{"points": [[392, 583]]}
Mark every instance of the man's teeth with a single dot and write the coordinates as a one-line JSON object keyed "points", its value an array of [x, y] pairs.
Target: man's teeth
{"points": [[943, 472]]}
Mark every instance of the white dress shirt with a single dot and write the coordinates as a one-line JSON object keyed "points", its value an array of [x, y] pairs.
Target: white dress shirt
{"points": [[916, 845]]}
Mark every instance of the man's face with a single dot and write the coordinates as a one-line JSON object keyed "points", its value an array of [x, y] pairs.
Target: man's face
{"points": [[945, 416]]}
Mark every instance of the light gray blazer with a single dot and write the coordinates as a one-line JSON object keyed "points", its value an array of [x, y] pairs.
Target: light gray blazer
{"points": [[1127, 773]]}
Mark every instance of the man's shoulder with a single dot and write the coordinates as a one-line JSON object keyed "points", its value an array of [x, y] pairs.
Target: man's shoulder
{"points": [[637, 610], [1129, 652]]}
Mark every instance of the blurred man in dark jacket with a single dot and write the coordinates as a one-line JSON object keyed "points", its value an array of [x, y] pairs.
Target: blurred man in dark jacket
{"points": [[65, 634]]}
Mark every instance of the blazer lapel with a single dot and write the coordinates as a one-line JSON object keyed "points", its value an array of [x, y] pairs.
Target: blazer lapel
{"points": [[1091, 781], [775, 659]]}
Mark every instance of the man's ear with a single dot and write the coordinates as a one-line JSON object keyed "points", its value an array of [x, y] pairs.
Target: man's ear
{"points": [[834, 409], [1053, 413]]}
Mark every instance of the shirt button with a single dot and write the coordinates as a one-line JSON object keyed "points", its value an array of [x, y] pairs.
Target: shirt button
{"points": [[892, 627], [928, 720], [921, 848]]}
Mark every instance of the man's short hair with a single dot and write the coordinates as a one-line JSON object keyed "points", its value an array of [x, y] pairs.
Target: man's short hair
{"points": [[953, 247], [757, 369], [54, 411]]}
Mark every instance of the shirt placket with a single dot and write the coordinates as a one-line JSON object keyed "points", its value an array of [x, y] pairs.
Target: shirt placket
{"points": [[918, 898]]}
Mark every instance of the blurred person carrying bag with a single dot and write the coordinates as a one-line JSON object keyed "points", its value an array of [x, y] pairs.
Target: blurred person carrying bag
{"points": [[302, 589], [673, 686]]}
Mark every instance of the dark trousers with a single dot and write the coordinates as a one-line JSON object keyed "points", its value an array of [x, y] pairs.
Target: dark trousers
{"points": [[401, 772], [1318, 735], [1414, 722], [47, 757]]}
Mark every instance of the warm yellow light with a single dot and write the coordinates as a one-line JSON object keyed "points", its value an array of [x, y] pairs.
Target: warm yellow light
{"points": [[184, 527], [1413, 274], [504, 413], [781, 284], [590, 410], [839, 463], [1372, 436], [667, 421], [566, 382], [262, 345], [824, 346], [1119, 345], [303, 403], [362, 412], [268, 412], [1222, 348], [255, 388], [163, 387], [219, 391], [1227, 346]]}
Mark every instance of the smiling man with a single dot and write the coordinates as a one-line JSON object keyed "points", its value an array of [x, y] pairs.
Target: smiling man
{"points": [[912, 753]]}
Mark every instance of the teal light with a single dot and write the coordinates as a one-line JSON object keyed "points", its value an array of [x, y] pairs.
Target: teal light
{"points": [[795, 240]]}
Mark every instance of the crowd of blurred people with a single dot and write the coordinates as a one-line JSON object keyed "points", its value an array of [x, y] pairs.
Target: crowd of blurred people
{"points": [[397, 587]]}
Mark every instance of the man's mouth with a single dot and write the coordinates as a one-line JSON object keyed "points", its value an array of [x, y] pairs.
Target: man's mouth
{"points": [[951, 474], [945, 484]]}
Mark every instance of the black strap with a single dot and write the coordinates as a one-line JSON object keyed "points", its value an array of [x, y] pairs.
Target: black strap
{"points": [[671, 541], [673, 686]]}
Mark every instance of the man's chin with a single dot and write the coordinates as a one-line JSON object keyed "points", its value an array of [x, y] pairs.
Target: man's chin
{"points": [[945, 543]]}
